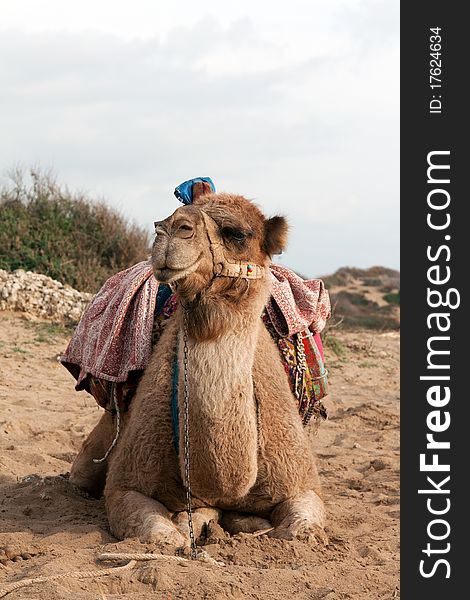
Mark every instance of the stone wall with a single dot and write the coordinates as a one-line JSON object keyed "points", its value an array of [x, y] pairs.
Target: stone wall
{"points": [[41, 296]]}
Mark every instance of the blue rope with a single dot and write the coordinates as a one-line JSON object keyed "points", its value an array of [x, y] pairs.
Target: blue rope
{"points": [[174, 403], [164, 292]]}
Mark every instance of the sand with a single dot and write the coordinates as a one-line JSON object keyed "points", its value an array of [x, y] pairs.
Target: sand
{"points": [[48, 528]]}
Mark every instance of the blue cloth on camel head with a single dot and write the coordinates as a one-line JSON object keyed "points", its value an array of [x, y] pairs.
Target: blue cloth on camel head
{"points": [[184, 192]]}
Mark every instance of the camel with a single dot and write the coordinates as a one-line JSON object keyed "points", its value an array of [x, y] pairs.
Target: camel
{"points": [[241, 452]]}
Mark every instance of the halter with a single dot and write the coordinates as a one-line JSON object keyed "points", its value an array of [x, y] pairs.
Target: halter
{"points": [[223, 267]]}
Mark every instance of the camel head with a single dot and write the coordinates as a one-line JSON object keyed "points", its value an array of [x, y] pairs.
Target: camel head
{"points": [[217, 241]]}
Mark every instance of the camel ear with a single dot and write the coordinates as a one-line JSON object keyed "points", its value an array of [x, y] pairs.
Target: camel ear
{"points": [[275, 235]]}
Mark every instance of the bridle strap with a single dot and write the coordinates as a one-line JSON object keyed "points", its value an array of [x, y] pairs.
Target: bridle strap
{"points": [[223, 267]]}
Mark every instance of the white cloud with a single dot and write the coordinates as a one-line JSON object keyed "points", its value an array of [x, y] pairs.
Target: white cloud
{"points": [[298, 109]]}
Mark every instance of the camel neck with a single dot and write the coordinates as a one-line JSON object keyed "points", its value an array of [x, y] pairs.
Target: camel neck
{"points": [[222, 409]]}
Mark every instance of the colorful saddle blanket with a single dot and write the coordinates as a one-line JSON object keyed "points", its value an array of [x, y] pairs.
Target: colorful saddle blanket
{"points": [[112, 343]]}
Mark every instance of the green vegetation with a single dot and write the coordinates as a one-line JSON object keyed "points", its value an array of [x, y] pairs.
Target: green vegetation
{"points": [[19, 350], [392, 298], [367, 364], [47, 229], [49, 332], [334, 344], [355, 311]]}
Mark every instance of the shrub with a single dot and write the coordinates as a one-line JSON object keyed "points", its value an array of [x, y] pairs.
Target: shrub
{"points": [[392, 297], [47, 229]]}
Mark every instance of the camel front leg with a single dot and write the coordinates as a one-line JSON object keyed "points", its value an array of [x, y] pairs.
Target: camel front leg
{"points": [[302, 516], [86, 474], [132, 514]]}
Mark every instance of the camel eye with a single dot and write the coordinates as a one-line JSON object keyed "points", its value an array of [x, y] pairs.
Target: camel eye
{"points": [[235, 235]]}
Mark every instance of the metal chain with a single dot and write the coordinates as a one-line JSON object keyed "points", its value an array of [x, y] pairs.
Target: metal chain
{"points": [[301, 367], [187, 481]]}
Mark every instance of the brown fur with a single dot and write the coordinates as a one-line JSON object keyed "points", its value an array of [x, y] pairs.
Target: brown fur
{"points": [[248, 450], [275, 235], [201, 188], [85, 473]]}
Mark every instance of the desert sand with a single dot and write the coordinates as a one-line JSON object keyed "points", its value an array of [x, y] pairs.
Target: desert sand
{"points": [[48, 528]]}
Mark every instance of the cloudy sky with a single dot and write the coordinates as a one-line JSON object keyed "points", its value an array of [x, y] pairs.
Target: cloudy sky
{"points": [[293, 104]]}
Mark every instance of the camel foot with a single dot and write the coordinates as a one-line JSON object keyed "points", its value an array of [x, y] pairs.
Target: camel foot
{"points": [[235, 522], [301, 517], [157, 530], [303, 531], [201, 518], [132, 514]]}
